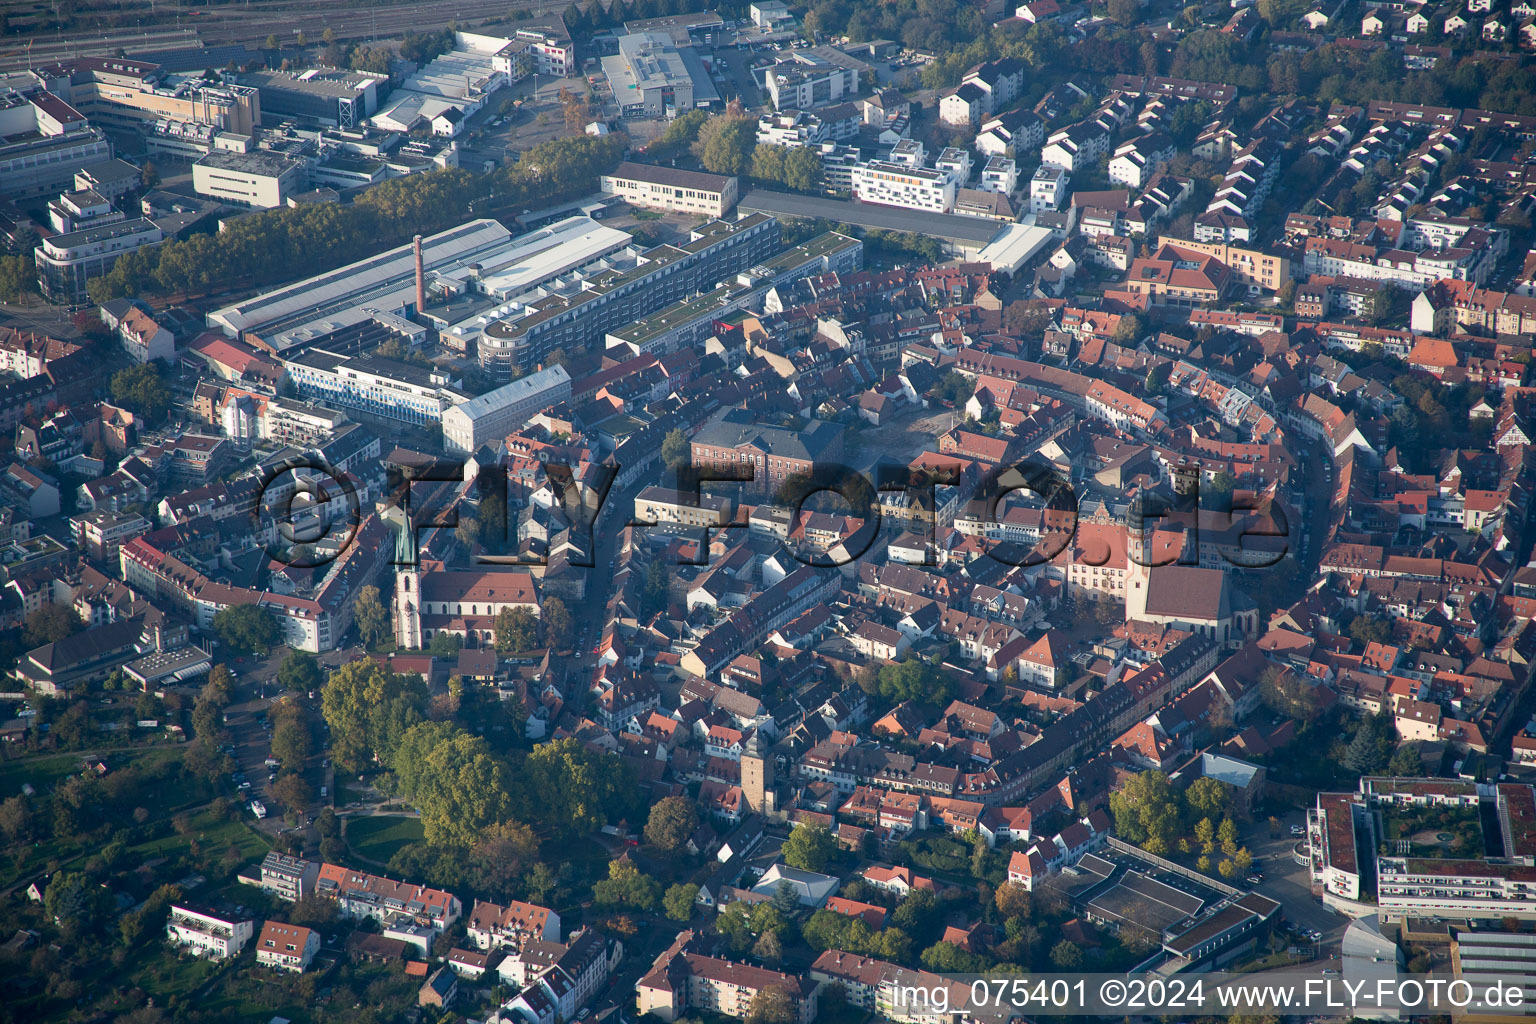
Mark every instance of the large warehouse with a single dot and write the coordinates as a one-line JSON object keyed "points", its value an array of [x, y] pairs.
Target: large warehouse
{"points": [[477, 266]]}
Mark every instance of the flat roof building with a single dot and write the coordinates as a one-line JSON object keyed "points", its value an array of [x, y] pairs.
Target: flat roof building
{"points": [[66, 262], [326, 96], [318, 305], [672, 189], [651, 76], [581, 313], [262, 179]]}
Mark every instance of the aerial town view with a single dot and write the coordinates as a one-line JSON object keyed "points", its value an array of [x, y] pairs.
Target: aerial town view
{"points": [[767, 511]]}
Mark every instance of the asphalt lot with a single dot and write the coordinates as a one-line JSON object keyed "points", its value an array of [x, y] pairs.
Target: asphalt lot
{"points": [[1288, 882]]}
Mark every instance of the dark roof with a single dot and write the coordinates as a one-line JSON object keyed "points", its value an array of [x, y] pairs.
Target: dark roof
{"points": [[670, 176], [735, 427]]}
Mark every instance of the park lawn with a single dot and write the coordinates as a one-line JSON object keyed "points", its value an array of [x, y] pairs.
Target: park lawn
{"points": [[379, 836]]}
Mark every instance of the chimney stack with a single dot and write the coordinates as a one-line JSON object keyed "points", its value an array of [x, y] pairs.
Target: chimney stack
{"points": [[421, 279]]}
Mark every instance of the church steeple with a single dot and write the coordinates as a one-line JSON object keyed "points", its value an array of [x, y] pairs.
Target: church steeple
{"points": [[407, 601]]}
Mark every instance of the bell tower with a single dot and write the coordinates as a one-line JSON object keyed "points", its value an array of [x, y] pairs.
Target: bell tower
{"points": [[757, 775]]}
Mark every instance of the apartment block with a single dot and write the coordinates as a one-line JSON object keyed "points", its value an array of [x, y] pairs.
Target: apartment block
{"points": [[65, 263], [207, 933], [896, 184], [286, 877], [681, 980], [389, 389], [811, 78], [1048, 188], [1257, 271]]}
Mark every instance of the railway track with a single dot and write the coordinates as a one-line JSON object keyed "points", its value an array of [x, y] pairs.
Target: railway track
{"points": [[252, 22]]}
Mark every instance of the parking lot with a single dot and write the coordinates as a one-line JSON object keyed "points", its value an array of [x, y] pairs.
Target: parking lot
{"points": [[1288, 882]]}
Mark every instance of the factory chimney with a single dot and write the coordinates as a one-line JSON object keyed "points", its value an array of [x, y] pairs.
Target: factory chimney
{"points": [[421, 279]]}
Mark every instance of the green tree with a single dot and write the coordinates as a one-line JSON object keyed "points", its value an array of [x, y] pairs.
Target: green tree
{"points": [[1066, 955], [18, 276], [270, 43], [556, 620], [291, 745], [300, 672], [16, 819], [141, 389], [1288, 694], [803, 169], [1205, 835], [655, 591], [725, 143], [446, 645], [626, 886], [517, 629], [808, 847], [672, 821], [453, 780], [372, 619], [75, 904], [50, 624], [293, 792], [1146, 811], [502, 859], [574, 789], [676, 451], [914, 679], [368, 709], [1364, 754], [1206, 798], [247, 628], [952, 959], [314, 911], [220, 687], [678, 901], [1406, 761], [1227, 835], [768, 163], [1131, 328], [681, 133], [772, 1005], [1012, 900]]}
